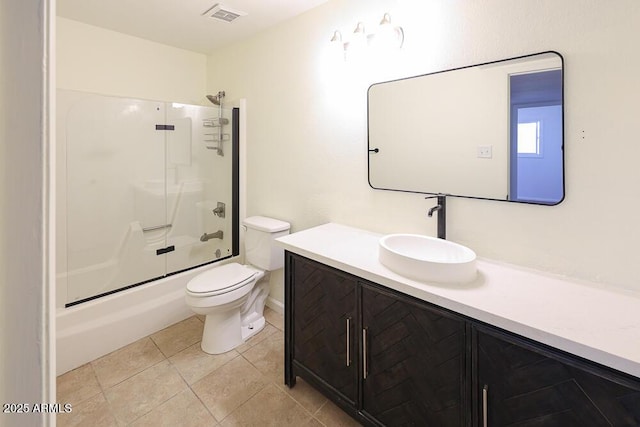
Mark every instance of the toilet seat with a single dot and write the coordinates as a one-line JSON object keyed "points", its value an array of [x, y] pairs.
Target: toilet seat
{"points": [[221, 280]]}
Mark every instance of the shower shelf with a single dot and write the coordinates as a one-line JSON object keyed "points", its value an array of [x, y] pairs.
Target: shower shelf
{"points": [[215, 122], [217, 138]]}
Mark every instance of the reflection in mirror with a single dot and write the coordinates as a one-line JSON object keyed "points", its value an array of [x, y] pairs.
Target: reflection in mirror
{"points": [[490, 131]]}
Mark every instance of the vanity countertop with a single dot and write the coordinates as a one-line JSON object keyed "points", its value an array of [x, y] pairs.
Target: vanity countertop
{"points": [[593, 321]]}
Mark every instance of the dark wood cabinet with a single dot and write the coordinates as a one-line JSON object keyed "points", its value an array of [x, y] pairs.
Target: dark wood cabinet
{"points": [[390, 359], [415, 362], [385, 358], [323, 332], [526, 384]]}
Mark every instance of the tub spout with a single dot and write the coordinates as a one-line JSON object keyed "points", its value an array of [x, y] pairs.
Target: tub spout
{"points": [[207, 236]]}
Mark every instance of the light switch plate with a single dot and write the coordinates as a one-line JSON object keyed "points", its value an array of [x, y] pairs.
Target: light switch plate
{"points": [[485, 151]]}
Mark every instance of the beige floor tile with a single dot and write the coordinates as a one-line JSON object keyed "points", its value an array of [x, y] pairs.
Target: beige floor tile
{"points": [[194, 364], [94, 412], [270, 407], [332, 415], [310, 398], [77, 386], [184, 410], [268, 357], [229, 386], [123, 363], [243, 387], [275, 318], [177, 337], [145, 391], [257, 338]]}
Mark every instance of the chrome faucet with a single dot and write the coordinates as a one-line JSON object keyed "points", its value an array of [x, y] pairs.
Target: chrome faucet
{"points": [[441, 208]]}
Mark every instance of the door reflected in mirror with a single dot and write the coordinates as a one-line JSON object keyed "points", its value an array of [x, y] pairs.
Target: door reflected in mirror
{"points": [[489, 131]]}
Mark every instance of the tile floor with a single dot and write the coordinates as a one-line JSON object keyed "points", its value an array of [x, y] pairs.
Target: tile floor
{"points": [[165, 379]]}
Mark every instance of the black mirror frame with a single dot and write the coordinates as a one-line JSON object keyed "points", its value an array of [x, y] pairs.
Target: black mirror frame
{"points": [[375, 150]]}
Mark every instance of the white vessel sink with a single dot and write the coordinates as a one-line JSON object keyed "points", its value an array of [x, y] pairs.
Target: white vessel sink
{"points": [[427, 259]]}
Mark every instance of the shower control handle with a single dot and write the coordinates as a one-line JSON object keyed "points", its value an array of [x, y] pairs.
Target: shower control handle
{"points": [[219, 211]]}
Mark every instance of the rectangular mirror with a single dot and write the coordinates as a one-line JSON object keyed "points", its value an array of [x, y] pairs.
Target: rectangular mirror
{"points": [[488, 131]]}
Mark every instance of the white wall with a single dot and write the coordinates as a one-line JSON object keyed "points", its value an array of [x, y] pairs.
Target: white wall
{"points": [[307, 160], [93, 59], [25, 373]]}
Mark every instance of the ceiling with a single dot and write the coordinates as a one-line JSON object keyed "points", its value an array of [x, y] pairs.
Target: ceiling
{"points": [[180, 23]]}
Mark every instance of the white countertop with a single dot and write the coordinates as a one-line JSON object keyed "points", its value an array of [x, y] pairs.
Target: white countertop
{"points": [[593, 321]]}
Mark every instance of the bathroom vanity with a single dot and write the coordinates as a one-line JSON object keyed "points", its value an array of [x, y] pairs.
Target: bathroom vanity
{"points": [[513, 347]]}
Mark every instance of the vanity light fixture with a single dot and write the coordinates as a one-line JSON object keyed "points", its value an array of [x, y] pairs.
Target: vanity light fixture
{"points": [[338, 46], [387, 37], [358, 44]]}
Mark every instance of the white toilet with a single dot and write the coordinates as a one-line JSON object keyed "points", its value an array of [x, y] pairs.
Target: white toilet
{"points": [[232, 296]]}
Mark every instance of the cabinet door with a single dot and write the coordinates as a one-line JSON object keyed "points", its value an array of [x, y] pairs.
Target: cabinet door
{"points": [[324, 305], [415, 362], [526, 385]]}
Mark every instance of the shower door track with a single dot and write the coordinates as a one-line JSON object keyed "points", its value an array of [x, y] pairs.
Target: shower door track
{"points": [[144, 282]]}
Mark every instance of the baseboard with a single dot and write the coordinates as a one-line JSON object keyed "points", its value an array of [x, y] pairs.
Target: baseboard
{"points": [[275, 305]]}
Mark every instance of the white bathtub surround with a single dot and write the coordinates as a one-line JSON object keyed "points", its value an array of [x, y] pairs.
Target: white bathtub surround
{"points": [[593, 321]]}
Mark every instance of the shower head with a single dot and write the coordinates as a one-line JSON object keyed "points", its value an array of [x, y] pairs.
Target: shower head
{"points": [[216, 99]]}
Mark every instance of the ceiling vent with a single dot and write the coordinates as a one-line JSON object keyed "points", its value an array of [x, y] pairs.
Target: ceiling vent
{"points": [[223, 13]]}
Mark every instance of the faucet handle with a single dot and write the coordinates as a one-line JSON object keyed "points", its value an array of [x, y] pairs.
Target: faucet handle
{"points": [[219, 211]]}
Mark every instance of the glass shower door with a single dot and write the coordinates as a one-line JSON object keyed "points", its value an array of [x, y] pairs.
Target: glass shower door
{"points": [[199, 185], [146, 189], [115, 193]]}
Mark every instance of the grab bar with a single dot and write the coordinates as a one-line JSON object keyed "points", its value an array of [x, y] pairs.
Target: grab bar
{"points": [[157, 227]]}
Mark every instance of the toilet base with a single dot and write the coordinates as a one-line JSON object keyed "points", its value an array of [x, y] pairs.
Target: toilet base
{"points": [[253, 328], [224, 332], [221, 332]]}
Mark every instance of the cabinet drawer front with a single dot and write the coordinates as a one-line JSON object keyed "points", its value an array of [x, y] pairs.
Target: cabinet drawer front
{"points": [[325, 305]]}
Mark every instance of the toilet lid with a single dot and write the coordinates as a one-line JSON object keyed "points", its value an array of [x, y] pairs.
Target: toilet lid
{"points": [[220, 279]]}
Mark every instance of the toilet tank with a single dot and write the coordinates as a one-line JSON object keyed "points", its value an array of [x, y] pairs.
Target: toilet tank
{"points": [[260, 248]]}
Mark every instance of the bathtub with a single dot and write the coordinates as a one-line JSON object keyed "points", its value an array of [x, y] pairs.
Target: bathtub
{"points": [[92, 329]]}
